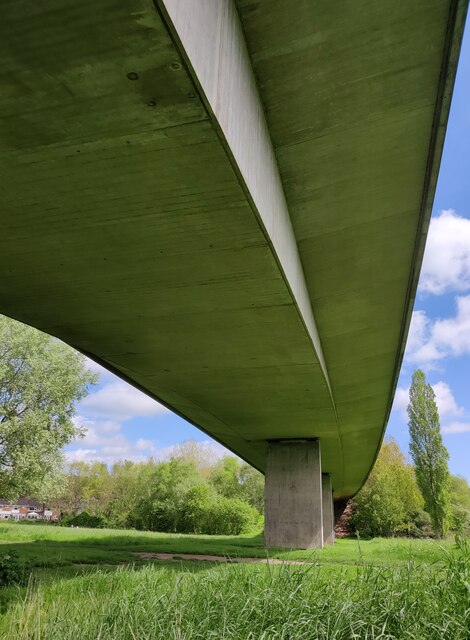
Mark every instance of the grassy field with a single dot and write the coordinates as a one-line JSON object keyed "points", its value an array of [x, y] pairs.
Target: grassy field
{"points": [[90, 584]]}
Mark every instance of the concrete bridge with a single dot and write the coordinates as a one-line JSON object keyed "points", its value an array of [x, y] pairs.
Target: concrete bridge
{"points": [[225, 202]]}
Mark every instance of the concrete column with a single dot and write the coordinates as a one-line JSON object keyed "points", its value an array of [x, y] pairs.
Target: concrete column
{"points": [[293, 495], [328, 511]]}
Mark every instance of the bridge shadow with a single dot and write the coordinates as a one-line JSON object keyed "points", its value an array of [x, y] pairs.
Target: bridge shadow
{"points": [[89, 551], [109, 547]]}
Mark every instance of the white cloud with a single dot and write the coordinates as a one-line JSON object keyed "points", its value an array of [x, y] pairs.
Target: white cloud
{"points": [[420, 349], [104, 441], [144, 445], [445, 400], [99, 433], [81, 455], [456, 427], [432, 341], [400, 402], [446, 264], [451, 336], [101, 419], [419, 329], [120, 401], [104, 374]]}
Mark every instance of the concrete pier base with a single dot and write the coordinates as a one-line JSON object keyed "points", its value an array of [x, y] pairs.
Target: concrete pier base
{"points": [[293, 495], [328, 510]]}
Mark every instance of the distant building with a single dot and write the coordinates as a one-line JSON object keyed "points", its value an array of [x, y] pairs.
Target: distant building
{"points": [[27, 509]]}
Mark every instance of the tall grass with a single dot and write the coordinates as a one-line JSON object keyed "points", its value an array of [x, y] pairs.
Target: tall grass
{"points": [[245, 602]]}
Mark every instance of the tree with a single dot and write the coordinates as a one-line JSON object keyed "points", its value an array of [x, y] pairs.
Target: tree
{"points": [[252, 486], [390, 499], [130, 484], [40, 380], [224, 477], [185, 494], [163, 508], [181, 500], [200, 454], [72, 498], [428, 452]]}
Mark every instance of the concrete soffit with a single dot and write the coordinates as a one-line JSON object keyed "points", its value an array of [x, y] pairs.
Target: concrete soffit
{"points": [[454, 35], [210, 40]]}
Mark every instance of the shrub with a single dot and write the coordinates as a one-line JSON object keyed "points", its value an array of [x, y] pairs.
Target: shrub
{"points": [[156, 515], [197, 509], [386, 503], [460, 519], [85, 519], [421, 526], [230, 516], [117, 521], [200, 510], [11, 571]]}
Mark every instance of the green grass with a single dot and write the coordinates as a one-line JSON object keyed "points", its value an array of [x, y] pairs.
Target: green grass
{"points": [[45, 545], [88, 584]]}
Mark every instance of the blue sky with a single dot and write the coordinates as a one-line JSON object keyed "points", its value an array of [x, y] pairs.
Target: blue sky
{"points": [[121, 422]]}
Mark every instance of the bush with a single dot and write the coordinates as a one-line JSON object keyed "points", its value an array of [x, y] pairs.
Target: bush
{"points": [[11, 571], [460, 519], [386, 503], [156, 515], [200, 510], [85, 519], [197, 509], [117, 521], [421, 527], [230, 516]]}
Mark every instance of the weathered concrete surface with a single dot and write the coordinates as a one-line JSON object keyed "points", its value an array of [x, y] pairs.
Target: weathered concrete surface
{"points": [[126, 230], [328, 511], [293, 495], [209, 237], [212, 42], [356, 98]]}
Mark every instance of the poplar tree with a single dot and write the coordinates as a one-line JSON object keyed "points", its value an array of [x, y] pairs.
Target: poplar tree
{"points": [[429, 454]]}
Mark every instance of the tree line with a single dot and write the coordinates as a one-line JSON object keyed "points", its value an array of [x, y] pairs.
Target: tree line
{"points": [[391, 503], [194, 493], [190, 493], [419, 499]]}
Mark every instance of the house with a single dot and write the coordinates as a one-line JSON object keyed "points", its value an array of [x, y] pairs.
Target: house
{"points": [[27, 509]]}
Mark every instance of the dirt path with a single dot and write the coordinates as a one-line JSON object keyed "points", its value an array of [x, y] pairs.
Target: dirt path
{"points": [[207, 558]]}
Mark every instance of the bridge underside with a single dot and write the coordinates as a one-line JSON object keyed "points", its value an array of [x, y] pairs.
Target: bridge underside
{"points": [[226, 203]]}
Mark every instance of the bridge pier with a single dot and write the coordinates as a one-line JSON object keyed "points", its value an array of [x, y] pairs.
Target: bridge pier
{"points": [[293, 495], [328, 510]]}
